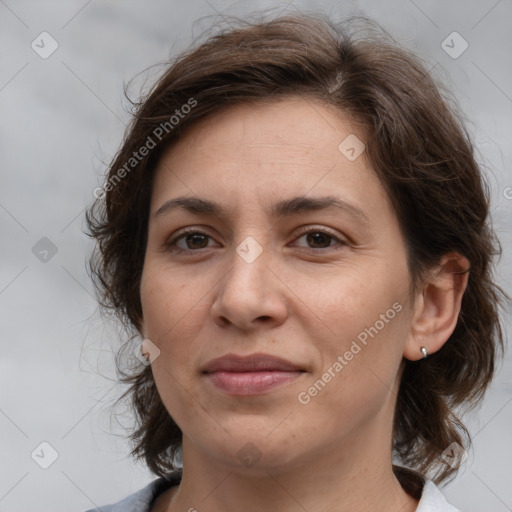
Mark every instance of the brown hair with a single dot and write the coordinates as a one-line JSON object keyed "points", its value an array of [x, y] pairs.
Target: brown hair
{"points": [[415, 141]]}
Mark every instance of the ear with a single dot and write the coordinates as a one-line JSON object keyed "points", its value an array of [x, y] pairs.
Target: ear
{"points": [[437, 306]]}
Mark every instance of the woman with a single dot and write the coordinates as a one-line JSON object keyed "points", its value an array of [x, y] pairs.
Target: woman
{"points": [[297, 229]]}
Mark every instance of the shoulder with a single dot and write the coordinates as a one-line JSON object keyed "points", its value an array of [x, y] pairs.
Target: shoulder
{"points": [[432, 500], [142, 500]]}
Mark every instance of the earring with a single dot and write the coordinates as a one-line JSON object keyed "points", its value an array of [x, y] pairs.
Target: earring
{"points": [[424, 352]]}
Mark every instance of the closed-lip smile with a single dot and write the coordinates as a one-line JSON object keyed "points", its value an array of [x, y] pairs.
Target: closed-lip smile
{"points": [[250, 375]]}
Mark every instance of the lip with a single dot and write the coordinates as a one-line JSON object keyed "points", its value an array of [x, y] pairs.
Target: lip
{"points": [[252, 363], [250, 375]]}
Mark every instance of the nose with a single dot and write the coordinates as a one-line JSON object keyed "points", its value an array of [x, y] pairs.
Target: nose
{"points": [[250, 295]]}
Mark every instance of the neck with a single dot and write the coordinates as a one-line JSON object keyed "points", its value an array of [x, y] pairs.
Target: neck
{"points": [[353, 478]]}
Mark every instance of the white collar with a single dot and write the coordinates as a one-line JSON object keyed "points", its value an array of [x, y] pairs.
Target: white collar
{"points": [[433, 501]]}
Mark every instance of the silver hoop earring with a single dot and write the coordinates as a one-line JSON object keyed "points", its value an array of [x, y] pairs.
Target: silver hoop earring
{"points": [[424, 352]]}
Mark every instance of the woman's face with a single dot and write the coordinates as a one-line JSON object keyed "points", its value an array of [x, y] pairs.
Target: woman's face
{"points": [[325, 288]]}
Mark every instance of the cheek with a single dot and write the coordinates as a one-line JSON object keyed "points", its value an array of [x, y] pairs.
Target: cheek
{"points": [[174, 311], [165, 300], [352, 300], [170, 322], [358, 377], [364, 322]]}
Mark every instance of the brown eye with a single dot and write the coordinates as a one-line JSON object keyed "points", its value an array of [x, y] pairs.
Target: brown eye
{"points": [[196, 240], [317, 238], [320, 240], [191, 241]]}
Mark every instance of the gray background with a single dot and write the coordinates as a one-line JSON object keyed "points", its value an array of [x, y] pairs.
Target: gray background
{"points": [[62, 118]]}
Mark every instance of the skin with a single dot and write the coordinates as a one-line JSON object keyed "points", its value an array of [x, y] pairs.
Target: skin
{"points": [[300, 299]]}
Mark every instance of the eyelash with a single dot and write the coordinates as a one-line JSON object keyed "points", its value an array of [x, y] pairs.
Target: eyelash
{"points": [[172, 247]]}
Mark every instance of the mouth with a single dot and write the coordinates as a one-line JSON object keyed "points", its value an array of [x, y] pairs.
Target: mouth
{"points": [[251, 375]]}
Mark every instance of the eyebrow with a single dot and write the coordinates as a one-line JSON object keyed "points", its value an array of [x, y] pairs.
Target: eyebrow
{"points": [[285, 208]]}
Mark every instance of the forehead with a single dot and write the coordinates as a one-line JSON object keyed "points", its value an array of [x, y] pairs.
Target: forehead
{"points": [[297, 124], [266, 151]]}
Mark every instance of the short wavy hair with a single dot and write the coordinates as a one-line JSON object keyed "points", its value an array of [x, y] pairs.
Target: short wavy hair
{"points": [[417, 144]]}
